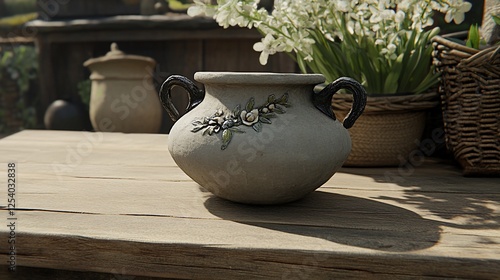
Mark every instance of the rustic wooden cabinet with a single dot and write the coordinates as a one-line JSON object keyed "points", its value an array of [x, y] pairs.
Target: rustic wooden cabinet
{"points": [[180, 45]]}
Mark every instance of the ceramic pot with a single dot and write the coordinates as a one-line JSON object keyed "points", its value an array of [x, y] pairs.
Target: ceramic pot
{"points": [[260, 138], [65, 115], [123, 97]]}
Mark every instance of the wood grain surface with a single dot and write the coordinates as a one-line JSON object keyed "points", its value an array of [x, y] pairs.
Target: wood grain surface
{"points": [[116, 205]]}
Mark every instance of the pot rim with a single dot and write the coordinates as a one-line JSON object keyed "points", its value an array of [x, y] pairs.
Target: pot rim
{"points": [[256, 78]]}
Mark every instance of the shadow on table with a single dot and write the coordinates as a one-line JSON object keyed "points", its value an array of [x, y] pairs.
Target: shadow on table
{"points": [[438, 187], [338, 218]]}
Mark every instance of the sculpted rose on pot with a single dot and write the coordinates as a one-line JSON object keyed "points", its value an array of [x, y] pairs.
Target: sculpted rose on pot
{"points": [[250, 118]]}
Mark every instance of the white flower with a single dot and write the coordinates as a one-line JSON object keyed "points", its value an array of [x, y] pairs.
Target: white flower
{"points": [[308, 58], [200, 9], [390, 51], [457, 13], [342, 6], [264, 46], [354, 27], [268, 46], [400, 16], [391, 48], [250, 118], [404, 5], [194, 11]]}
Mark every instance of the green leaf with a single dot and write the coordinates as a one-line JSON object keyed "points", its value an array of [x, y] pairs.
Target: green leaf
{"points": [[302, 64], [431, 79], [409, 46], [283, 99], [268, 115], [265, 120], [237, 111], [271, 98], [237, 130], [227, 135], [257, 126], [473, 39], [391, 82], [279, 110], [250, 104], [418, 67], [496, 19]]}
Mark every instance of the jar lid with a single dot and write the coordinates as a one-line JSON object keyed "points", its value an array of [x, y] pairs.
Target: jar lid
{"points": [[116, 54]]}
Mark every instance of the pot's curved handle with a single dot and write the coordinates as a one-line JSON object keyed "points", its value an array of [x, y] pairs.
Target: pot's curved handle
{"points": [[195, 94], [322, 100]]}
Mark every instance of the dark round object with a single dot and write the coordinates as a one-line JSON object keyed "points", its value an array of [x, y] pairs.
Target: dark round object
{"points": [[64, 115]]}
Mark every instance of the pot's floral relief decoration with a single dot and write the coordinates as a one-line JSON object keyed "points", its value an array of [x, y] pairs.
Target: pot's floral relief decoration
{"points": [[228, 122]]}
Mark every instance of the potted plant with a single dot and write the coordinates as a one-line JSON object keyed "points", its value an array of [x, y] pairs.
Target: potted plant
{"points": [[383, 44], [18, 67]]}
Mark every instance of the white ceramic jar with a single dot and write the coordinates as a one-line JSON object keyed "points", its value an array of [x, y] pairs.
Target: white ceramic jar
{"points": [[123, 97]]}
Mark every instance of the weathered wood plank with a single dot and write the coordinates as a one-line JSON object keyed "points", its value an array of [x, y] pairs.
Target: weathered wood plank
{"points": [[30, 273], [214, 262], [123, 205], [170, 21]]}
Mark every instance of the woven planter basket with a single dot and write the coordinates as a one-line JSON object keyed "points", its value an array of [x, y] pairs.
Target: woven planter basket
{"points": [[470, 95], [389, 129]]}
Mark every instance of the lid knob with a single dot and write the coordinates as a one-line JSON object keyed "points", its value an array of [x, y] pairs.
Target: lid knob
{"points": [[114, 50]]}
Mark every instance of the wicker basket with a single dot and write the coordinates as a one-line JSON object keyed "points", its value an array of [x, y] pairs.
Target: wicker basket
{"points": [[389, 129], [470, 95]]}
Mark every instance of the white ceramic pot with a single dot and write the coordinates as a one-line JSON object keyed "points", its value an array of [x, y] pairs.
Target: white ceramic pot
{"points": [[260, 138], [123, 97]]}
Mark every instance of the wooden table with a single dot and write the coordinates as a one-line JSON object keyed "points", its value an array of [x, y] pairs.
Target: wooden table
{"points": [[110, 206]]}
